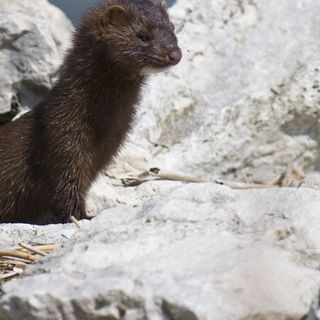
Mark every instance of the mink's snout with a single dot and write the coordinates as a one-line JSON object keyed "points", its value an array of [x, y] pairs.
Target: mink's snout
{"points": [[175, 56]]}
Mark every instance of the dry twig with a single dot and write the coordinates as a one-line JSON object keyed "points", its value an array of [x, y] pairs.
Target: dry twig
{"points": [[75, 221], [17, 254], [157, 174], [165, 175], [14, 263], [245, 186], [15, 260], [32, 249], [289, 177], [9, 275]]}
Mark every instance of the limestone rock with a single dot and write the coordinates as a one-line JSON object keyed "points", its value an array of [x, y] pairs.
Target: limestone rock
{"points": [[312, 182], [198, 251], [108, 193], [242, 104], [314, 313], [13, 234], [32, 39], [245, 99]]}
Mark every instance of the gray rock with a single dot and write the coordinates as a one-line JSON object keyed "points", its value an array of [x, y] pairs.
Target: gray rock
{"points": [[109, 193], [245, 99], [198, 251], [32, 39], [314, 313], [311, 181], [13, 234], [242, 104]]}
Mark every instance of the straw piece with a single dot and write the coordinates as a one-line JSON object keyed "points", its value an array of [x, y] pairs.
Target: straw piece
{"points": [[17, 254], [245, 186], [9, 275], [43, 247], [16, 263], [32, 249], [75, 221]]}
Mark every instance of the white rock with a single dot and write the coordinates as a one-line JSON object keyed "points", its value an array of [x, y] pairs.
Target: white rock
{"points": [[13, 234], [32, 39], [108, 193], [245, 99], [311, 181], [241, 105], [314, 313], [199, 251]]}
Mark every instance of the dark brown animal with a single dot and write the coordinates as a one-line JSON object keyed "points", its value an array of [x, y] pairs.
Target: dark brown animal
{"points": [[51, 155]]}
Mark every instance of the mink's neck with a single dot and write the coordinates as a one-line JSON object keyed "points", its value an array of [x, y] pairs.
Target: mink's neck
{"points": [[95, 102], [97, 88]]}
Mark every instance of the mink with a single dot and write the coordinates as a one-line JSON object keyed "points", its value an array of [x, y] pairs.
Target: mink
{"points": [[50, 156]]}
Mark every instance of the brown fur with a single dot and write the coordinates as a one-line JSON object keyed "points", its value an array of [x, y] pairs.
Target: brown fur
{"points": [[51, 155]]}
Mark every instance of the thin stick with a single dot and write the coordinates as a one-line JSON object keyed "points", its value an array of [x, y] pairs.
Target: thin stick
{"points": [[245, 186], [174, 176], [43, 248], [32, 249], [157, 174], [18, 264], [17, 254], [9, 275], [48, 247], [133, 182], [186, 178], [290, 176], [75, 221]]}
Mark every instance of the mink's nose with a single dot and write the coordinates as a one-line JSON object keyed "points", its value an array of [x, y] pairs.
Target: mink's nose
{"points": [[175, 56]]}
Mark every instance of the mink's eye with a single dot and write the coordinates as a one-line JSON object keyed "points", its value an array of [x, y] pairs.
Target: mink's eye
{"points": [[144, 37]]}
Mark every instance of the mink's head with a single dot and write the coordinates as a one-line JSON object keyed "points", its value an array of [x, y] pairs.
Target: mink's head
{"points": [[135, 35]]}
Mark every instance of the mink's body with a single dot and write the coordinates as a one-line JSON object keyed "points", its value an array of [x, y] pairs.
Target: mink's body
{"points": [[50, 156]]}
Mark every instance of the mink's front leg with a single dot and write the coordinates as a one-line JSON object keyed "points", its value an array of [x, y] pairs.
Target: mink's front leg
{"points": [[66, 203]]}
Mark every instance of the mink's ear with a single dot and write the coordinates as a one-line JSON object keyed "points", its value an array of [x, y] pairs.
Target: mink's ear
{"points": [[116, 16], [163, 5]]}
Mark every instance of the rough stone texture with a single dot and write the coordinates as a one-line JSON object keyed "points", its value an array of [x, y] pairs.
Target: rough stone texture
{"points": [[312, 181], [108, 193], [13, 234], [242, 104], [245, 99], [33, 35], [253, 104], [314, 313], [199, 251]]}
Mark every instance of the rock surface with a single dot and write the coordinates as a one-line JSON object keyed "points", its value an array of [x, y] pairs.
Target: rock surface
{"points": [[33, 35], [314, 313], [242, 104], [199, 251], [13, 234], [245, 99]]}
